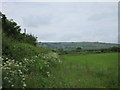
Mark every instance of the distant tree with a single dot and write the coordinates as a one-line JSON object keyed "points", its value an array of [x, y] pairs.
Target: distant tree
{"points": [[115, 49], [78, 49], [60, 49]]}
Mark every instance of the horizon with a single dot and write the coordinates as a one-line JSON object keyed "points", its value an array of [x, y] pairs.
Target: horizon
{"points": [[74, 42]]}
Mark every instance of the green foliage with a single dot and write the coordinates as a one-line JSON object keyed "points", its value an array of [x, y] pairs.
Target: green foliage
{"points": [[20, 50], [78, 49], [115, 49], [12, 40], [10, 27], [16, 73], [6, 45], [21, 58], [12, 30], [13, 75]]}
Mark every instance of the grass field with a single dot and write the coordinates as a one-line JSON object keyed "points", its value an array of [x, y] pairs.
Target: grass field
{"points": [[87, 71]]}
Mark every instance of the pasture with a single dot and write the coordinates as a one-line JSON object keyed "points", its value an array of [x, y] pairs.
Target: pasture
{"points": [[86, 71]]}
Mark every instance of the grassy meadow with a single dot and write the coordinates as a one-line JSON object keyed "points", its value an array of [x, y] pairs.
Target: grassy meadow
{"points": [[87, 71]]}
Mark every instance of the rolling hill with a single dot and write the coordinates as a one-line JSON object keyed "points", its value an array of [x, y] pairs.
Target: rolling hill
{"points": [[74, 45]]}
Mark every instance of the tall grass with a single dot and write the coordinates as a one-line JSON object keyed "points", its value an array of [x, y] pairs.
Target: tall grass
{"points": [[87, 71]]}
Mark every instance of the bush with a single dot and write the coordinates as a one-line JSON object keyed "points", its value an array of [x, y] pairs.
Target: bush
{"points": [[21, 57], [16, 72], [18, 51], [13, 75]]}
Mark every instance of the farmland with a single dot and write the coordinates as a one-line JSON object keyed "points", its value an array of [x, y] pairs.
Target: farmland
{"points": [[73, 45], [87, 71]]}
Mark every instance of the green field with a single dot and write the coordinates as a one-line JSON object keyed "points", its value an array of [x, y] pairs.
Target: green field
{"points": [[87, 71]]}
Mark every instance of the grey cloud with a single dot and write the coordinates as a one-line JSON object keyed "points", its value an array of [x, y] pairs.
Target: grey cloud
{"points": [[35, 21], [67, 21], [103, 16]]}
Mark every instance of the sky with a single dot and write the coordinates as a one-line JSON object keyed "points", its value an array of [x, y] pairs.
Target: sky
{"points": [[66, 21]]}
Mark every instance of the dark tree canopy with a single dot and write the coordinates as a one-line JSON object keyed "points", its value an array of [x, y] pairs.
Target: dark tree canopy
{"points": [[12, 30]]}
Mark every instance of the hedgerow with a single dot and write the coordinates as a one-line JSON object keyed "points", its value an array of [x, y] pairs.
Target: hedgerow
{"points": [[16, 72]]}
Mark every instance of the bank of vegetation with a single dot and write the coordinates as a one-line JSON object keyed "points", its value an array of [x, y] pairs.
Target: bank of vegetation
{"points": [[24, 65]]}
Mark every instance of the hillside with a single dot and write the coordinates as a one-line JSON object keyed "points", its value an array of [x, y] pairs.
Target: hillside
{"points": [[74, 45]]}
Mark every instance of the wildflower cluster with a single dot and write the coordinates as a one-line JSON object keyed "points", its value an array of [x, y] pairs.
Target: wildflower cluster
{"points": [[12, 73], [52, 58], [15, 72]]}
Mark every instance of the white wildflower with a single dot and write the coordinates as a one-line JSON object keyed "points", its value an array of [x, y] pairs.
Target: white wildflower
{"points": [[9, 81], [23, 79], [5, 77], [24, 85], [20, 63], [48, 72], [12, 85]]}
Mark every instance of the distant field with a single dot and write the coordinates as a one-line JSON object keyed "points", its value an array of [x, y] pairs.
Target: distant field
{"points": [[73, 45], [87, 71]]}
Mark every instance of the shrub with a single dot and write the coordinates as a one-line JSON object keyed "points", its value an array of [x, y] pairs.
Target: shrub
{"points": [[13, 76], [16, 72], [18, 51]]}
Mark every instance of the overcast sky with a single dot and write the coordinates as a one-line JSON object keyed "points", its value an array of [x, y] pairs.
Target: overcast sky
{"points": [[66, 21]]}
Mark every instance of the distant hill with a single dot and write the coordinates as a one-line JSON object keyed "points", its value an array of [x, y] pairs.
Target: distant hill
{"points": [[74, 45]]}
